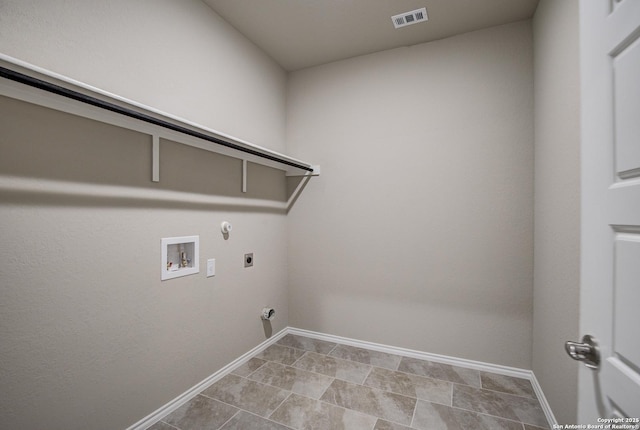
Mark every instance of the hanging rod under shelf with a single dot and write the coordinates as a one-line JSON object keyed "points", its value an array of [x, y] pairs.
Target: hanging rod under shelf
{"points": [[93, 101]]}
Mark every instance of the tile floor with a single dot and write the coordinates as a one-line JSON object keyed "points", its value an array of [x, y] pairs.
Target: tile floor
{"points": [[304, 383]]}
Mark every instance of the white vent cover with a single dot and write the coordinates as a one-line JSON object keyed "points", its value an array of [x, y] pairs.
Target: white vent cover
{"points": [[408, 18]]}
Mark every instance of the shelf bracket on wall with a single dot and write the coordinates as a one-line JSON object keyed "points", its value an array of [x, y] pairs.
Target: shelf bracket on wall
{"points": [[244, 176], [155, 157]]}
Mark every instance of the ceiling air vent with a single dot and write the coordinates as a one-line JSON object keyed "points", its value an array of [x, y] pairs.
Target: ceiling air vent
{"points": [[408, 18]]}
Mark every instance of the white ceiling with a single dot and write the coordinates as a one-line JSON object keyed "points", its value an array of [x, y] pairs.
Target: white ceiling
{"points": [[305, 33]]}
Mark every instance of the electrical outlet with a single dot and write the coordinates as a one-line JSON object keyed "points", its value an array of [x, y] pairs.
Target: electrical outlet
{"points": [[248, 260]]}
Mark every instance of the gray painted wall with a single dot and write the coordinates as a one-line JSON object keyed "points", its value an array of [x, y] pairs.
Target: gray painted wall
{"points": [[163, 53], [419, 233], [91, 338], [557, 202]]}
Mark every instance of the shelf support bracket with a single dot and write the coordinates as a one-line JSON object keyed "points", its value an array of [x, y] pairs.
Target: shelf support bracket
{"points": [[244, 176], [155, 157]]}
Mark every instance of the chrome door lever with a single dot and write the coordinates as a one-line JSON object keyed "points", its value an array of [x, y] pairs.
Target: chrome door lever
{"points": [[587, 351]]}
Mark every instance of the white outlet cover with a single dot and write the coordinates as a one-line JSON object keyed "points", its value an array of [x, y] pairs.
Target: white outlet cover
{"points": [[211, 267]]}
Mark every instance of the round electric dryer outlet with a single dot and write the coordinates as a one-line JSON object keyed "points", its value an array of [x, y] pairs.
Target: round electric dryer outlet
{"points": [[248, 260]]}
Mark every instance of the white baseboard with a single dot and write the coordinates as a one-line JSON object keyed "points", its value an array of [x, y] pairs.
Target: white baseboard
{"points": [[183, 398], [460, 362], [543, 401], [154, 417]]}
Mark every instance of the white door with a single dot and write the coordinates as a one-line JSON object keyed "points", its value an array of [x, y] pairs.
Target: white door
{"points": [[610, 259]]}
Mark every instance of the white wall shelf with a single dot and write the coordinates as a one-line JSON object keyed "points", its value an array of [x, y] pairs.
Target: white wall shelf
{"points": [[26, 82]]}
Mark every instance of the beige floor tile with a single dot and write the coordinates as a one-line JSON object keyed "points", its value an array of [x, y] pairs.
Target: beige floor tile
{"points": [[432, 416], [246, 421], [334, 367], [446, 372], [301, 412], [383, 404], [249, 367], [507, 384], [249, 395], [366, 356], [433, 390], [524, 409], [200, 413], [281, 354], [292, 379], [307, 343]]}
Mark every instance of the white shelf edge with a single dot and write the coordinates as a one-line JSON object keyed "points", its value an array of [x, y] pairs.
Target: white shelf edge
{"points": [[12, 89]]}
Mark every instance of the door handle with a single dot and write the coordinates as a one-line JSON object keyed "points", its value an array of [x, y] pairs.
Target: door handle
{"points": [[587, 351]]}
